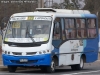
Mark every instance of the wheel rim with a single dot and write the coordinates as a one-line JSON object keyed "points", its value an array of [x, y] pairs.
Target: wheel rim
{"points": [[52, 66], [81, 63]]}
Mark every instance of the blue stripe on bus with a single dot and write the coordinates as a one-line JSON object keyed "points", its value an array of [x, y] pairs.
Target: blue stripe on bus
{"points": [[82, 15], [36, 60], [91, 50], [90, 16], [84, 43]]}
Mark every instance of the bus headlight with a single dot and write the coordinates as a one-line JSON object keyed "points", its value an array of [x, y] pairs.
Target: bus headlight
{"points": [[44, 52], [48, 51], [8, 52], [5, 52], [40, 52]]}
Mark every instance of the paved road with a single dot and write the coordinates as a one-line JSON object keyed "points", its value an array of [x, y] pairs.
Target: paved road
{"points": [[89, 69]]}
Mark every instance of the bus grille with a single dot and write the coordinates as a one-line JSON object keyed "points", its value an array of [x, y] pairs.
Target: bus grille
{"points": [[29, 62], [30, 53], [17, 53]]}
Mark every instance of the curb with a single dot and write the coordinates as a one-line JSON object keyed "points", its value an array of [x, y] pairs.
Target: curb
{"points": [[3, 68], [6, 69]]}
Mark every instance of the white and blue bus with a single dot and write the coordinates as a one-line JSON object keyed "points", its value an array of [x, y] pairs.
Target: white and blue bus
{"points": [[49, 38]]}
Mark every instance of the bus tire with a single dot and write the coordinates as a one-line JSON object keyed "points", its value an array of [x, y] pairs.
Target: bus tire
{"points": [[43, 69], [12, 69], [51, 68], [78, 66]]}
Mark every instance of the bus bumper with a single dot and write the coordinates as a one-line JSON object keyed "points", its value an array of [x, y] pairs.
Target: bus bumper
{"points": [[36, 60]]}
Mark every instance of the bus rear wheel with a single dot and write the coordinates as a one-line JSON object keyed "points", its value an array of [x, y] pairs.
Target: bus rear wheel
{"points": [[78, 66], [12, 69]]}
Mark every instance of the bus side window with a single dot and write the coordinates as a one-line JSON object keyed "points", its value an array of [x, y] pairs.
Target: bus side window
{"points": [[81, 28], [91, 23], [91, 28], [78, 24], [66, 28], [69, 28]]}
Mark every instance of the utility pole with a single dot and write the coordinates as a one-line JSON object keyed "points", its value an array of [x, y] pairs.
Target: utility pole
{"points": [[40, 3]]}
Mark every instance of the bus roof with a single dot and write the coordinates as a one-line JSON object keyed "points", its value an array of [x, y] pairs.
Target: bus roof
{"points": [[57, 13], [67, 11]]}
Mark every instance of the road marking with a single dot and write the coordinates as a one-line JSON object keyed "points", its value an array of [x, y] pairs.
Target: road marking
{"points": [[82, 72]]}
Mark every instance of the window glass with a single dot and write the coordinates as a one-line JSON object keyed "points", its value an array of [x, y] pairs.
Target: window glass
{"points": [[91, 23], [80, 23], [69, 23], [80, 30], [34, 28], [69, 28], [92, 33], [70, 33], [56, 31], [16, 29], [81, 33], [57, 38], [91, 28]]}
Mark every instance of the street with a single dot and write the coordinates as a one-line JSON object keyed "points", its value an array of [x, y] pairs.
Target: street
{"points": [[89, 69]]}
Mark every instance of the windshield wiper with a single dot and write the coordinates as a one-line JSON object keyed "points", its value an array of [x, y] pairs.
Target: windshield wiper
{"points": [[27, 32]]}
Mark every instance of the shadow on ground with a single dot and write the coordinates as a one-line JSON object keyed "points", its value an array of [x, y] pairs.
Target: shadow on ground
{"points": [[58, 71]]}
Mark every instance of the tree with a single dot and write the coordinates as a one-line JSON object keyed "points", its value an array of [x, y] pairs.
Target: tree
{"points": [[67, 4], [55, 5], [7, 8], [94, 7]]}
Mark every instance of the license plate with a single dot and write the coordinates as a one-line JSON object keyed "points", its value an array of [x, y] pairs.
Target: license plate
{"points": [[23, 60]]}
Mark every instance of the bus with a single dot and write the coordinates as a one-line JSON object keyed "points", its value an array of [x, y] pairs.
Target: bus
{"points": [[50, 38]]}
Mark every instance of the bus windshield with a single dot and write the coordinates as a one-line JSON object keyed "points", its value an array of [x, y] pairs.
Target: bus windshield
{"points": [[28, 31]]}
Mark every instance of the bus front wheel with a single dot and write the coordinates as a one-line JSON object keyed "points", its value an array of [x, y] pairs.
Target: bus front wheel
{"points": [[78, 66], [12, 68], [51, 68]]}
